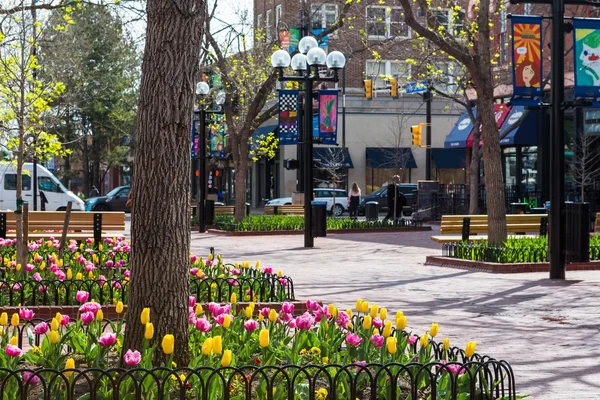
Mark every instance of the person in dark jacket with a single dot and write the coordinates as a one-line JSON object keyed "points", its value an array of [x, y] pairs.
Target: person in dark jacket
{"points": [[395, 199]]}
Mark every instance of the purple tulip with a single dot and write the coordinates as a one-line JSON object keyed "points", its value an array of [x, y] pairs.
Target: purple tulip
{"points": [[304, 322], [377, 323], [65, 320], [377, 341], [203, 325], [132, 358], [37, 277], [13, 351], [40, 328], [343, 320], [192, 301], [30, 379], [26, 314], [287, 308], [87, 317]]}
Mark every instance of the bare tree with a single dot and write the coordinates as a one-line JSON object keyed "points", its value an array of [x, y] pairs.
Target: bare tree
{"points": [[333, 163], [585, 165]]}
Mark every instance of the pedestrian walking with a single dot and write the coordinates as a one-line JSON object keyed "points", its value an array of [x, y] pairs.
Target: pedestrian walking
{"points": [[395, 199], [354, 200], [94, 192]]}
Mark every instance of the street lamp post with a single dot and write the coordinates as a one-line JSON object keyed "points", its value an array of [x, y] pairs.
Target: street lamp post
{"points": [[306, 65], [202, 89]]}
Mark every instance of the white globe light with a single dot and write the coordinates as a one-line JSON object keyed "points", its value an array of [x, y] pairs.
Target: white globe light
{"points": [[336, 60], [220, 98], [202, 88], [280, 59], [299, 62], [316, 56], [307, 43]]}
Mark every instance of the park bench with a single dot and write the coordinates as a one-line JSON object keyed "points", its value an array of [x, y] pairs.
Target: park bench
{"points": [[284, 210], [458, 228], [82, 225], [221, 210]]}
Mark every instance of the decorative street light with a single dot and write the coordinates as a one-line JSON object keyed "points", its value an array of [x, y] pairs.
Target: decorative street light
{"points": [[202, 89], [306, 65]]}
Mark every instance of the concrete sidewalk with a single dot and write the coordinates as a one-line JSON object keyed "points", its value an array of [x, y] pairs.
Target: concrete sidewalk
{"points": [[547, 330]]}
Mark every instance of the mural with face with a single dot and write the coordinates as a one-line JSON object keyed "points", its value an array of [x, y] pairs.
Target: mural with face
{"points": [[590, 57]]}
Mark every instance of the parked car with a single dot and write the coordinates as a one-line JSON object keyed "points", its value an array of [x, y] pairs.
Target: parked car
{"points": [[114, 200], [409, 190], [321, 194]]}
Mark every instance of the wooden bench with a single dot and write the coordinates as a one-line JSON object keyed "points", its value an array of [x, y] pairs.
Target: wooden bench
{"points": [[82, 225], [221, 210], [284, 210], [458, 228]]}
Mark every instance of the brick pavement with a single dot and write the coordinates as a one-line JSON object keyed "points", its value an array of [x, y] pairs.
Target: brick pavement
{"points": [[547, 330]]}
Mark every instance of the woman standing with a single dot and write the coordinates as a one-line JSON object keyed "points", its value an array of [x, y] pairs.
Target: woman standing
{"points": [[354, 200]]}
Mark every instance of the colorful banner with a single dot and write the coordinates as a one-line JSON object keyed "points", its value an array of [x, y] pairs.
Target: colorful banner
{"points": [[328, 112], [586, 36], [194, 138], [294, 39], [288, 117], [284, 38], [501, 111], [527, 60], [324, 41], [218, 142]]}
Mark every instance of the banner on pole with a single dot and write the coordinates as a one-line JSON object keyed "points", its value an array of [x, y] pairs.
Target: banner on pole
{"points": [[194, 138], [328, 111], [586, 36], [527, 60], [218, 129], [294, 39], [284, 38], [288, 117]]}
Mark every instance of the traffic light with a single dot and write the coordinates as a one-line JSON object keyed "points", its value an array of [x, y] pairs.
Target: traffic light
{"points": [[368, 88], [416, 131], [394, 87]]}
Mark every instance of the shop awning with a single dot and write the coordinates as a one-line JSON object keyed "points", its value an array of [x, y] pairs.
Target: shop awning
{"points": [[457, 139], [501, 111], [449, 158], [525, 134], [327, 157], [390, 157]]}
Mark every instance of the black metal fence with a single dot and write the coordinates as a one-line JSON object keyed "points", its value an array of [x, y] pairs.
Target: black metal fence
{"points": [[475, 251]]}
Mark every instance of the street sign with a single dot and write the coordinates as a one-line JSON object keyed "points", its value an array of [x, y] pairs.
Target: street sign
{"points": [[415, 87]]}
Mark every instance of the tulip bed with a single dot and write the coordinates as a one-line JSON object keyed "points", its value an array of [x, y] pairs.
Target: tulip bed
{"points": [[102, 273], [325, 353]]}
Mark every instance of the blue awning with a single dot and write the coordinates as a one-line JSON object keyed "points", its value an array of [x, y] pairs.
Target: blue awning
{"points": [[326, 157], [449, 158], [457, 139], [390, 157], [260, 134], [525, 134]]}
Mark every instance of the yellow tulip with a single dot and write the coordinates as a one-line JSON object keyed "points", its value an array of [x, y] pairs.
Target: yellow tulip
{"points": [[60, 263], [233, 299], [217, 344], [226, 360], [210, 257], [365, 307], [55, 324], [434, 330], [145, 316], [264, 338], [280, 273], [99, 315], [258, 264], [58, 317], [54, 337], [424, 340], [375, 331], [18, 268], [14, 321], [91, 275], [4, 319], [350, 326], [374, 311], [367, 322], [149, 334], [383, 313], [392, 347], [470, 350], [332, 310], [273, 315], [349, 312], [387, 329], [14, 340], [401, 322], [69, 274], [248, 312], [399, 314], [252, 305], [199, 273], [99, 247], [199, 309], [446, 344], [168, 344], [70, 364], [226, 321], [359, 305], [261, 318], [207, 346], [79, 276], [119, 307]]}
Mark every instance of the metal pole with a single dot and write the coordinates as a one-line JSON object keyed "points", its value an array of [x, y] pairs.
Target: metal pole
{"points": [[557, 161], [308, 160], [428, 137], [300, 149], [202, 172], [344, 107], [34, 53]]}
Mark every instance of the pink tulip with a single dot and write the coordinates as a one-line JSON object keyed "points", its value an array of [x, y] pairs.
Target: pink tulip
{"points": [[65, 320], [30, 379], [37, 277], [60, 275], [107, 339], [352, 339], [89, 240], [456, 369], [287, 308], [377, 323], [89, 267], [360, 363], [13, 351], [109, 264], [82, 296], [377, 341], [193, 259], [203, 325], [87, 317], [16, 286], [221, 318], [26, 314], [286, 317], [292, 324], [127, 273], [90, 306], [194, 271], [312, 305], [235, 271], [250, 325], [321, 313], [116, 284], [412, 339], [192, 301], [268, 270], [233, 282], [43, 288], [29, 268], [264, 311], [343, 320], [304, 322], [101, 280], [284, 282], [40, 328]]}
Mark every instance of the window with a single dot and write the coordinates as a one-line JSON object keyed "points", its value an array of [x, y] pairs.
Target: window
{"points": [[10, 182], [385, 22], [323, 16], [259, 21], [380, 70], [124, 193], [46, 184], [269, 25], [443, 75], [278, 11], [451, 21]]}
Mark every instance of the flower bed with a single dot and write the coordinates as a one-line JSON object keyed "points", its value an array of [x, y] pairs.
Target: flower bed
{"points": [[102, 273], [325, 353]]}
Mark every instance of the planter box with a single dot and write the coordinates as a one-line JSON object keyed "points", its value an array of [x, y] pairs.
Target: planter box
{"points": [[512, 268]]}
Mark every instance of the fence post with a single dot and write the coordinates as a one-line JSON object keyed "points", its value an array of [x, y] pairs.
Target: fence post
{"points": [[544, 226], [97, 228], [3, 225], [466, 229]]}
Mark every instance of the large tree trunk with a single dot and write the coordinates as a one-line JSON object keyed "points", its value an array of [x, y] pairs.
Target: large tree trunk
{"points": [[161, 225], [241, 166], [474, 171]]}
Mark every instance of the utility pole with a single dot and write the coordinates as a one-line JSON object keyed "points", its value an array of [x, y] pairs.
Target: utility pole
{"points": [[34, 74]]}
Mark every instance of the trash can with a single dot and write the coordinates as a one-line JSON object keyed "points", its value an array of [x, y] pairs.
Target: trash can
{"points": [[518, 208], [247, 208], [209, 212], [578, 232], [372, 210], [319, 218]]}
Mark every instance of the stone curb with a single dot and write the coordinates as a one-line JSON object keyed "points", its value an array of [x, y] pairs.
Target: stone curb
{"points": [[512, 268]]}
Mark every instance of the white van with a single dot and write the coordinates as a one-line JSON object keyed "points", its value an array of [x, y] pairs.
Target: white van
{"points": [[57, 195]]}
